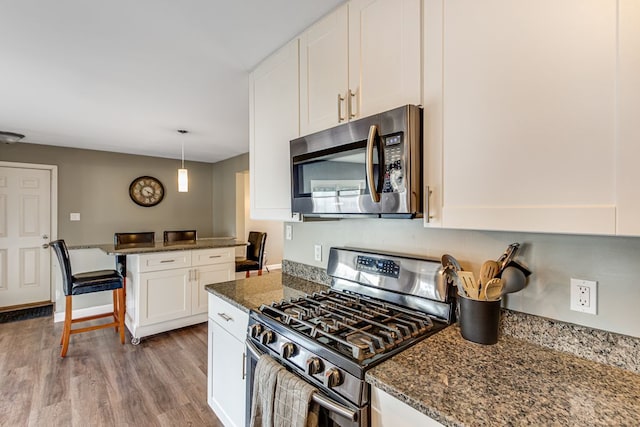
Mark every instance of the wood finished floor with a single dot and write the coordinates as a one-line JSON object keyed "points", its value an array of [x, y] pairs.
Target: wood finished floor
{"points": [[160, 382]]}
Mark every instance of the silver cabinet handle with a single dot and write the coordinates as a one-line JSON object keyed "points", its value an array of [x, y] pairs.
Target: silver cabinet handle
{"points": [[427, 196], [244, 361], [351, 95], [45, 246], [164, 261], [215, 256], [45, 237], [371, 183], [340, 118], [226, 317]]}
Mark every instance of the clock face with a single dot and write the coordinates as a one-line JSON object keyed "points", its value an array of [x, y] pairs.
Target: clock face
{"points": [[146, 191]]}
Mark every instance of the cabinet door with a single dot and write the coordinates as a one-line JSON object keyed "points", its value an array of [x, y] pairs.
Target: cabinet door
{"points": [[385, 61], [203, 276], [226, 376], [164, 295], [273, 122], [323, 73], [387, 411], [520, 106], [628, 153]]}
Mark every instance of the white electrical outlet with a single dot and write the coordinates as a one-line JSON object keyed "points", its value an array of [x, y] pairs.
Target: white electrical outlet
{"points": [[288, 232], [74, 216], [317, 252], [584, 296]]}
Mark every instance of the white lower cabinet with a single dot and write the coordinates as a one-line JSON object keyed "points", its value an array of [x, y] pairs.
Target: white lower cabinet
{"points": [[165, 290], [387, 411], [226, 361]]}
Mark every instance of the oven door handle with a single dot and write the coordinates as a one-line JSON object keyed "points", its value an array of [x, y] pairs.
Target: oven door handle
{"points": [[325, 402]]}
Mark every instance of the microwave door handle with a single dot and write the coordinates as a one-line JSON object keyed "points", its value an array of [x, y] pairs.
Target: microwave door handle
{"points": [[371, 182]]}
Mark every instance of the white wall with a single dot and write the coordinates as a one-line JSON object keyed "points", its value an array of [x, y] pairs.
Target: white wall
{"points": [[554, 259]]}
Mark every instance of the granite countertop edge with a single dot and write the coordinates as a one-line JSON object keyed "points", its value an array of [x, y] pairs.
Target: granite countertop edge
{"points": [[206, 243]]}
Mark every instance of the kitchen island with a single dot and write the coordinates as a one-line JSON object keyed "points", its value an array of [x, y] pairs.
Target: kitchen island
{"points": [[165, 281], [458, 383]]}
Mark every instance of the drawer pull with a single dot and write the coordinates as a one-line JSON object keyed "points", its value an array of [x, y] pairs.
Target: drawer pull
{"points": [[225, 317], [215, 256], [164, 261]]}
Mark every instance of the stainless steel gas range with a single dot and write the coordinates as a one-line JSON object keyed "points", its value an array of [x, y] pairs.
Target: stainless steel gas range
{"points": [[378, 305]]}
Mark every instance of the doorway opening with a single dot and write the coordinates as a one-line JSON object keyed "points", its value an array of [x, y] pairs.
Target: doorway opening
{"points": [[244, 224]]}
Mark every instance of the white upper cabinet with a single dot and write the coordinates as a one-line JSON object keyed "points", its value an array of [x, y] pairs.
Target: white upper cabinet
{"points": [[323, 72], [363, 58], [273, 122], [385, 61], [520, 124], [628, 153]]}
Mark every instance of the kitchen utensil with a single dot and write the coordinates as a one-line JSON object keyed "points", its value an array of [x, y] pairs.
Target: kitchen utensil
{"points": [[488, 271], [514, 280], [469, 284], [508, 255], [453, 274], [492, 290], [449, 260]]}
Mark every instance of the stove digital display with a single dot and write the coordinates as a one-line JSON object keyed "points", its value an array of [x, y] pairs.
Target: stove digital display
{"points": [[384, 267]]}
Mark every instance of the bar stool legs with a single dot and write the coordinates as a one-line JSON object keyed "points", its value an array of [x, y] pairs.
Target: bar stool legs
{"points": [[117, 314]]}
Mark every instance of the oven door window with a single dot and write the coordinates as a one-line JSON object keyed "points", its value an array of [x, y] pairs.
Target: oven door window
{"points": [[334, 176]]}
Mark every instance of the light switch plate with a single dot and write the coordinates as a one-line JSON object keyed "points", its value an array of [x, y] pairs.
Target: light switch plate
{"points": [[317, 252], [288, 232], [74, 216]]}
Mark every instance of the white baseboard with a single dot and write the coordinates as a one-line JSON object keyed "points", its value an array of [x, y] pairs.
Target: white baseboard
{"points": [[82, 312]]}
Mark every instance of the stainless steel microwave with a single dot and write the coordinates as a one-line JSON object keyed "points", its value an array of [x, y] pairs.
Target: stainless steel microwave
{"points": [[369, 167]]}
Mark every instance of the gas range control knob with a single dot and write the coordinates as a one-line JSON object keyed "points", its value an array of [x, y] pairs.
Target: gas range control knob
{"points": [[267, 337], [254, 330], [332, 378], [314, 366], [287, 350]]}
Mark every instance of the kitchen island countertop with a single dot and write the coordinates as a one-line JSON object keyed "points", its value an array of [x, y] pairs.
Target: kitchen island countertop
{"points": [[514, 382], [206, 243], [460, 383]]}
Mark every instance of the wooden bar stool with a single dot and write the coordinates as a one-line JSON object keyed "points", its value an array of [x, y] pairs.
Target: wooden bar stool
{"points": [[85, 283]]}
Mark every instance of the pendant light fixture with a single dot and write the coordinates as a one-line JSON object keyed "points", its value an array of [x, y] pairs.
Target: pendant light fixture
{"points": [[183, 175]]}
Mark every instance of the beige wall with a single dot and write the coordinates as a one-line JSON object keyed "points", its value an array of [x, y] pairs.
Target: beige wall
{"points": [[554, 259], [96, 184], [224, 194]]}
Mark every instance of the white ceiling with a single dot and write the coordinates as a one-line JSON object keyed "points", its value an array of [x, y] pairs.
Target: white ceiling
{"points": [[123, 75]]}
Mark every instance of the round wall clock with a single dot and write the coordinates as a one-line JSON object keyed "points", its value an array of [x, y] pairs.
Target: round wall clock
{"points": [[146, 191]]}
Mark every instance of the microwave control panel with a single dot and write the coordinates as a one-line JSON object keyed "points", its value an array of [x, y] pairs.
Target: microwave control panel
{"points": [[393, 164]]}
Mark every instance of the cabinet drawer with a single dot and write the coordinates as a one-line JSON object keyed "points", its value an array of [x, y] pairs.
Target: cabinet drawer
{"points": [[212, 256], [229, 317], [165, 261]]}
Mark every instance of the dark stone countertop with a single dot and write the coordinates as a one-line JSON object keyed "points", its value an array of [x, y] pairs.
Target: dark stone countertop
{"points": [[459, 383], [511, 383], [207, 243], [251, 293]]}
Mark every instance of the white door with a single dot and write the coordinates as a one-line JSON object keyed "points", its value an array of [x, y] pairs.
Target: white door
{"points": [[25, 225]]}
